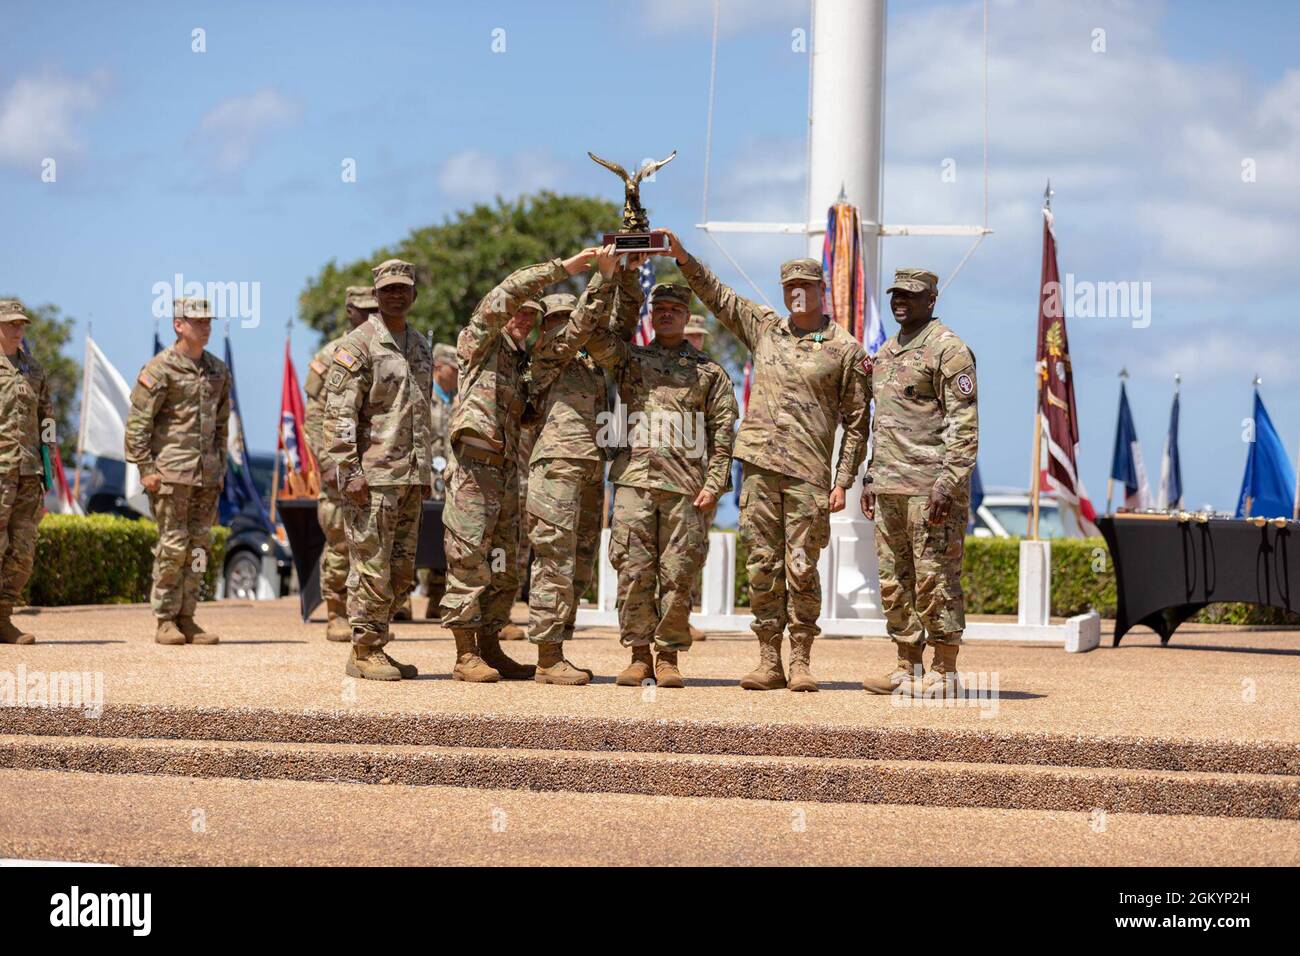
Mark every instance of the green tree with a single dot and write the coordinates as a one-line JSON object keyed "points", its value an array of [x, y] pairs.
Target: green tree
{"points": [[462, 259], [49, 332]]}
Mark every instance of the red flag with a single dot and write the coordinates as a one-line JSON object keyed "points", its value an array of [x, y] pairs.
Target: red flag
{"points": [[59, 499], [744, 389], [1056, 404], [298, 472]]}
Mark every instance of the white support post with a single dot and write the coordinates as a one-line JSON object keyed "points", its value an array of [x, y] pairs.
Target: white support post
{"points": [[1035, 583]]}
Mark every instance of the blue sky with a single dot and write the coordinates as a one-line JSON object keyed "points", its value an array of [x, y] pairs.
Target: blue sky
{"points": [[225, 166]]}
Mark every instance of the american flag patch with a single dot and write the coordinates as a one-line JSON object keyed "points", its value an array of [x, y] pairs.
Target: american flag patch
{"points": [[147, 380], [346, 359], [317, 367]]}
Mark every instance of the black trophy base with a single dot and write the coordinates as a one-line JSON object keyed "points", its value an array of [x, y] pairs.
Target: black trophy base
{"points": [[637, 241]]}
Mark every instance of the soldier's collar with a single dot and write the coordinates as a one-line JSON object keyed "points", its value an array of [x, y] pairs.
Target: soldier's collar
{"points": [[920, 340], [817, 335]]}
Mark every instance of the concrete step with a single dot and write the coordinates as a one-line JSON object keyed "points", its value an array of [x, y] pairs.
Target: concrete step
{"points": [[788, 778], [548, 732]]}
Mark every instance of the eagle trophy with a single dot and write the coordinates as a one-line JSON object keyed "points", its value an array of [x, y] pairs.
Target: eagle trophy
{"points": [[634, 214]]}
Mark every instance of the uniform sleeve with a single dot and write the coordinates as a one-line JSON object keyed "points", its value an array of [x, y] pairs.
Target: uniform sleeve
{"points": [[721, 421], [743, 318], [221, 434], [609, 350], [314, 418], [590, 313], [855, 415], [146, 400], [961, 432], [627, 304], [496, 308], [346, 385]]}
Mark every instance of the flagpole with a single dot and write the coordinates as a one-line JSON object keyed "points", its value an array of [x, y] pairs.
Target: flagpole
{"points": [[81, 425], [1038, 464]]}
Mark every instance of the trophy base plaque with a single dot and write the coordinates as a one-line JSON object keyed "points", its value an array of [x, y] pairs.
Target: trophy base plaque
{"points": [[637, 241]]}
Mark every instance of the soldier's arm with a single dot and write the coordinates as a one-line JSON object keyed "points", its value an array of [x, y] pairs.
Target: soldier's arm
{"points": [[609, 350], [745, 319], [720, 418], [222, 430], [146, 400], [855, 415], [346, 385], [497, 307], [548, 360], [628, 299], [314, 419], [957, 393]]}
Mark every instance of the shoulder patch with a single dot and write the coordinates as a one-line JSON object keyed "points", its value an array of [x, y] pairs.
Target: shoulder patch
{"points": [[960, 360], [865, 364], [148, 380], [347, 358], [317, 366], [965, 384]]}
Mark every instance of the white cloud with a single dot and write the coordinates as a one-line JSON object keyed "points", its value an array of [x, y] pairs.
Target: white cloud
{"points": [[475, 175], [231, 131], [39, 116]]}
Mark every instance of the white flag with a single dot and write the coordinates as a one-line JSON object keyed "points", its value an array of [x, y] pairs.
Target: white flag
{"points": [[105, 404]]}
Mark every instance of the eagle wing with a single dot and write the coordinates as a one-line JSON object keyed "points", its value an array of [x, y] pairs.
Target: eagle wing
{"points": [[650, 168], [613, 167]]}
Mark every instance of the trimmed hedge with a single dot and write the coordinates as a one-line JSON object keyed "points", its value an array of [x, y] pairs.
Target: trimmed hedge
{"points": [[103, 559]]}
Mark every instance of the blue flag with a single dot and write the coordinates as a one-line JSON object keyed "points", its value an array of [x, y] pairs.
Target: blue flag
{"points": [[1171, 470], [157, 343], [1126, 461], [239, 492], [976, 495], [1268, 487]]}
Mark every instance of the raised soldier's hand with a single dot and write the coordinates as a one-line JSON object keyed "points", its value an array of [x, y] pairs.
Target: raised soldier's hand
{"points": [[607, 260], [836, 500], [937, 508], [705, 499], [358, 489], [675, 247], [152, 483], [582, 261], [868, 503], [632, 261]]}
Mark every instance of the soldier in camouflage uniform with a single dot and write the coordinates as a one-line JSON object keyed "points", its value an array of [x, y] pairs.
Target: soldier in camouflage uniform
{"points": [[926, 434], [696, 333], [567, 482], [528, 429], [360, 304], [669, 474], [26, 419], [444, 395], [482, 510], [378, 439], [176, 434], [810, 375]]}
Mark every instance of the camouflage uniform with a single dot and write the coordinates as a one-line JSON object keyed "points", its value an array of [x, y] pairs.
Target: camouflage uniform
{"points": [[659, 539], [804, 385], [177, 427], [377, 425], [925, 436], [567, 482], [24, 406], [441, 407], [482, 511], [329, 503]]}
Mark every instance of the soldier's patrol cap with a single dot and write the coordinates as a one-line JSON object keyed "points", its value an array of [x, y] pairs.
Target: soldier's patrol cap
{"points": [[11, 310], [362, 297], [801, 270], [914, 280], [444, 354], [558, 302], [393, 272], [695, 324], [191, 309], [534, 305], [671, 292]]}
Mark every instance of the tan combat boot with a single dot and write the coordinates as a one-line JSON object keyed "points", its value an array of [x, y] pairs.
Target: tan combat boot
{"points": [[469, 666], [666, 672], [512, 632], [696, 634], [640, 670], [193, 633], [11, 633], [801, 678], [942, 679], [168, 632], [370, 662], [489, 648], [338, 628], [907, 671], [552, 668], [768, 675], [408, 671]]}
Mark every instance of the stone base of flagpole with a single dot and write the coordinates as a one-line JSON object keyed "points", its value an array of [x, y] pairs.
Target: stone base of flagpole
{"points": [[850, 575]]}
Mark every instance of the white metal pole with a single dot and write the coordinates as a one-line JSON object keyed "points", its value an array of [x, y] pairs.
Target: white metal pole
{"points": [[848, 78]]}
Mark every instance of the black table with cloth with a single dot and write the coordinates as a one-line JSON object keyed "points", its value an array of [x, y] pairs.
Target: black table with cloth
{"points": [[1168, 568], [307, 541]]}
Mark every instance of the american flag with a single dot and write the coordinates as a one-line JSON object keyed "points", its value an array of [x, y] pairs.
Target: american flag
{"points": [[644, 329]]}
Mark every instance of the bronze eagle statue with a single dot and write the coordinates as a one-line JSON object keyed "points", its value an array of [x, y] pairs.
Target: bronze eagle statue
{"points": [[634, 214]]}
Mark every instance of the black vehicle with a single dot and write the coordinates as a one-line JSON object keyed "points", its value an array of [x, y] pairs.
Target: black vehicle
{"points": [[249, 541]]}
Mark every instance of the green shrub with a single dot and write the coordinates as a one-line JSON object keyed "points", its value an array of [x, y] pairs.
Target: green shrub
{"points": [[103, 559]]}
